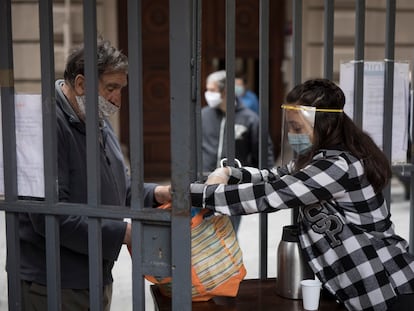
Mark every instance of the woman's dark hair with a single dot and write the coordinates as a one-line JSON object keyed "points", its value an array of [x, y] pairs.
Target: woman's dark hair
{"points": [[109, 59], [337, 130]]}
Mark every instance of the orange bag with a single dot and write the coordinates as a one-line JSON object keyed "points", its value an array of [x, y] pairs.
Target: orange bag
{"points": [[216, 258]]}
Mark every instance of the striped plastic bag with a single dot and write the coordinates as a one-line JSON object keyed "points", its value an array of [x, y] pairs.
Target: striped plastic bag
{"points": [[216, 258]]}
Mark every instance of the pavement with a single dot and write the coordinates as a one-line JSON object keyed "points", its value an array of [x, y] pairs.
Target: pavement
{"points": [[248, 235]]}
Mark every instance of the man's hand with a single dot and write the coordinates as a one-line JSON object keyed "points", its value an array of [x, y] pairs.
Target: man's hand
{"points": [[221, 175], [162, 194]]}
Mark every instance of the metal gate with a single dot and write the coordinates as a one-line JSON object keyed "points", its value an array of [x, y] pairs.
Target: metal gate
{"points": [[170, 230], [151, 228]]}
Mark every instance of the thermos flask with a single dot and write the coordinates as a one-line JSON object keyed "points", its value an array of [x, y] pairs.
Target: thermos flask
{"points": [[291, 266]]}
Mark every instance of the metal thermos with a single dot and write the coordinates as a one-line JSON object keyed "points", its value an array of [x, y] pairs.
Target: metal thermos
{"points": [[291, 266]]}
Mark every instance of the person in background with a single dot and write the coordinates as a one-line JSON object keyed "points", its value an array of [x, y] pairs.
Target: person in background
{"points": [[71, 104], [336, 181], [246, 130], [247, 97]]}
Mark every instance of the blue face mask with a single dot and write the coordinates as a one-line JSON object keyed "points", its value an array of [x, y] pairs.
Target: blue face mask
{"points": [[238, 90], [300, 143]]}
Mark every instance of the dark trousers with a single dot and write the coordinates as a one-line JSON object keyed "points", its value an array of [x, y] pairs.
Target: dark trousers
{"points": [[403, 303], [35, 298]]}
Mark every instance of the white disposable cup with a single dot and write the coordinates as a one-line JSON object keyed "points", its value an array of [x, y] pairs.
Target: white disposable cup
{"points": [[311, 291]]}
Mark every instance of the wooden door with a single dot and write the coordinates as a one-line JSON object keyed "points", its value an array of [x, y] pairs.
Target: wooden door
{"points": [[155, 23], [156, 93]]}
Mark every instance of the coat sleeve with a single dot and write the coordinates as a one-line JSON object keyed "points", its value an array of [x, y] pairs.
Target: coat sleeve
{"points": [[74, 228], [317, 182]]}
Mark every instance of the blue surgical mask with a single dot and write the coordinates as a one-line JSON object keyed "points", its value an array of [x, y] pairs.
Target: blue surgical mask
{"points": [[300, 143], [238, 90]]}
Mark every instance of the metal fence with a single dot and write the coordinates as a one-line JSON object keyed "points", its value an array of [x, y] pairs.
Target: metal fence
{"points": [[171, 228], [152, 228]]}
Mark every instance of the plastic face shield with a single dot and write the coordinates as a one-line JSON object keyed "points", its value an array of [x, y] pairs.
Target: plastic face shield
{"points": [[297, 131]]}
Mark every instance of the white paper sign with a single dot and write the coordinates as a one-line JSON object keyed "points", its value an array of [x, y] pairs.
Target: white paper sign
{"points": [[373, 101], [29, 146]]}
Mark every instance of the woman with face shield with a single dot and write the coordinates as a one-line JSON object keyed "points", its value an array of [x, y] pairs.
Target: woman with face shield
{"points": [[298, 121], [336, 180]]}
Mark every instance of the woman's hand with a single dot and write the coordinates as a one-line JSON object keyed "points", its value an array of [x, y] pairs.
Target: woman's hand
{"points": [[221, 175]]}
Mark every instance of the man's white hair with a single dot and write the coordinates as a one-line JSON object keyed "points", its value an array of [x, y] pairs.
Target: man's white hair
{"points": [[218, 77]]}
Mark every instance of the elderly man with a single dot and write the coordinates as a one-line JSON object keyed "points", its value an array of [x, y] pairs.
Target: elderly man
{"points": [[71, 104]]}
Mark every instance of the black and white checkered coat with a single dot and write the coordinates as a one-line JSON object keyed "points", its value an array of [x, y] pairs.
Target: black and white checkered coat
{"points": [[346, 231]]}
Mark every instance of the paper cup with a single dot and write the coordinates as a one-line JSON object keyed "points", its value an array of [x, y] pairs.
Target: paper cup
{"points": [[311, 291]]}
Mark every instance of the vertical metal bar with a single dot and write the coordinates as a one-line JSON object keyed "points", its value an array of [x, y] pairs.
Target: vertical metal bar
{"points": [[9, 154], [297, 60], [7, 101], [328, 39], [264, 81], [91, 78], [182, 136], [297, 42], [359, 61], [136, 98], [136, 146], [264, 122], [388, 87], [197, 37], [411, 151], [230, 75], [50, 153], [92, 158], [13, 261]]}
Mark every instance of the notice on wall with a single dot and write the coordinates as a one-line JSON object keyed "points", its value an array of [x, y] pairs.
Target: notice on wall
{"points": [[373, 103], [29, 146]]}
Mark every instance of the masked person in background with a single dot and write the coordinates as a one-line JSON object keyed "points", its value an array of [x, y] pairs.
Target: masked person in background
{"points": [[336, 181], [71, 103], [214, 137], [247, 97]]}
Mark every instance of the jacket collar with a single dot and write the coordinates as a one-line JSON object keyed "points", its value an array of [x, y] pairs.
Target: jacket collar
{"points": [[67, 109]]}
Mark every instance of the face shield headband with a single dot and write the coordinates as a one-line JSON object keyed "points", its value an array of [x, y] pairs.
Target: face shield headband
{"points": [[297, 129]]}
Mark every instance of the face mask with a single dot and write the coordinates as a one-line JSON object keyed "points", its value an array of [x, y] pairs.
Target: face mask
{"points": [[105, 107], [213, 99], [238, 90], [300, 143], [81, 100]]}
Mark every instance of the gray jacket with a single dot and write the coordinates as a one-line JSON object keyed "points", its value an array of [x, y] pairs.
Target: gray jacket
{"points": [[246, 132]]}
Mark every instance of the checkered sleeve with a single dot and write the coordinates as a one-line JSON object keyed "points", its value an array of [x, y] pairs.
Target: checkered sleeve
{"points": [[322, 179], [247, 174], [254, 175]]}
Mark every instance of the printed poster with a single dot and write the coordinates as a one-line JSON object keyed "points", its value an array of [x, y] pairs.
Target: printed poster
{"points": [[29, 146]]}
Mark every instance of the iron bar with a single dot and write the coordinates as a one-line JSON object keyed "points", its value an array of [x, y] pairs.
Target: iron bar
{"points": [[297, 60], [136, 147], [182, 71], [264, 122], [92, 155], [230, 75], [297, 42], [50, 154], [388, 87], [359, 61], [9, 155], [328, 39]]}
